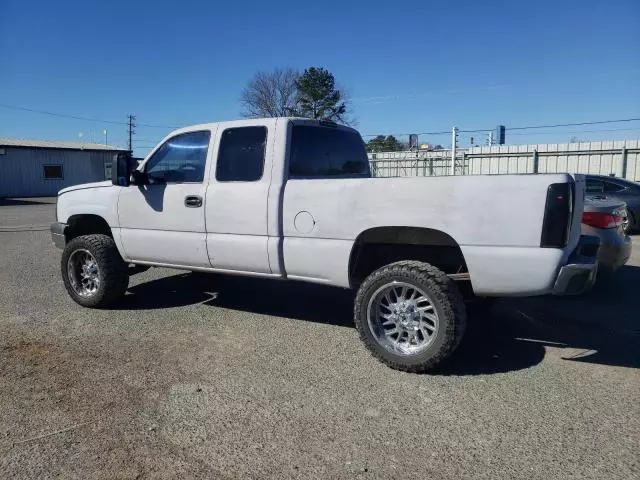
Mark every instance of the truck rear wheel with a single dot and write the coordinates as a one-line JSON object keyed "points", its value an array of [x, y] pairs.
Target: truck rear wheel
{"points": [[93, 271], [410, 315]]}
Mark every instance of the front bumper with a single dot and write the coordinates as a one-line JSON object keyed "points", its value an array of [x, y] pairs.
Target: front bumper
{"points": [[579, 274], [57, 234]]}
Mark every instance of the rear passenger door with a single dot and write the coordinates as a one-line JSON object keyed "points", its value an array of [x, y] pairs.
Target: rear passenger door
{"points": [[236, 213]]}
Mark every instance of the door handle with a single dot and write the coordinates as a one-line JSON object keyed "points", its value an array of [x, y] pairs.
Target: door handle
{"points": [[193, 201]]}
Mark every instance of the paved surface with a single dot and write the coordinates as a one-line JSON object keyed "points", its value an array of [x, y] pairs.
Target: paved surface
{"points": [[240, 378]]}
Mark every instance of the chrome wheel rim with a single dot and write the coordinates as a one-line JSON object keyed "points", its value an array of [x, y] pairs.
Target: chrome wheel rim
{"points": [[402, 318], [83, 272], [625, 223]]}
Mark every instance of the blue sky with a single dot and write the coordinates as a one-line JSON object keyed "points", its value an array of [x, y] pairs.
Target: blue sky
{"points": [[409, 66]]}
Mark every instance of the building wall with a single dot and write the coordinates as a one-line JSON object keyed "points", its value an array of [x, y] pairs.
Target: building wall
{"points": [[22, 172]]}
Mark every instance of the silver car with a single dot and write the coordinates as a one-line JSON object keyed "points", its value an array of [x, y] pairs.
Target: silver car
{"points": [[605, 218]]}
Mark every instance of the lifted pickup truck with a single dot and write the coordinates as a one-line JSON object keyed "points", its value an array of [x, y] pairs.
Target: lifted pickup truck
{"points": [[290, 198]]}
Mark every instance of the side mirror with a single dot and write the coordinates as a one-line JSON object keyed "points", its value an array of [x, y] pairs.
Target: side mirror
{"points": [[121, 169], [139, 178]]}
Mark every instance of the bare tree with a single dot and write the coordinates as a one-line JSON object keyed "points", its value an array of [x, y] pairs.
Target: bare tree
{"points": [[349, 119], [270, 94]]}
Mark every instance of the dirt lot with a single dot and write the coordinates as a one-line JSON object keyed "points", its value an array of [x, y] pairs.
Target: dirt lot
{"points": [[243, 378]]}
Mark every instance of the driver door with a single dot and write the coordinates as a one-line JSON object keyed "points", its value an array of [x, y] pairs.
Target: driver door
{"points": [[164, 222]]}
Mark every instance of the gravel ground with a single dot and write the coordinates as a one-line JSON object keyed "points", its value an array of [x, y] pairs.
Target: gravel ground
{"points": [[225, 377]]}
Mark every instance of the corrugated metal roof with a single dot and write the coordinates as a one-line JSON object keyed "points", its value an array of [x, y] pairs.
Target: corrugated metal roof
{"points": [[22, 143]]}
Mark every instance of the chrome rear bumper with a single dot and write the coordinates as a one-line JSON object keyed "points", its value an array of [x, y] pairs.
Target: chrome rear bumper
{"points": [[579, 274]]}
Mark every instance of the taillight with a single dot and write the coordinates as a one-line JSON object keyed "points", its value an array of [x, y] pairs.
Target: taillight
{"points": [[601, 220], [557, 215]]}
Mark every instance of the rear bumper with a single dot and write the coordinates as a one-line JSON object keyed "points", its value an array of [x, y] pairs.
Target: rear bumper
{"points": [[614, 251], [57, 234], [579, 274]]}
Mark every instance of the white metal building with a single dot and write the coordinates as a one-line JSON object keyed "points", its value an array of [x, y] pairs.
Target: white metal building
{"points": [[32, 168]]}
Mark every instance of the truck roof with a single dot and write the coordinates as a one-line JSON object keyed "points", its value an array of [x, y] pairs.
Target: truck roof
{"points": [[248, 122]]}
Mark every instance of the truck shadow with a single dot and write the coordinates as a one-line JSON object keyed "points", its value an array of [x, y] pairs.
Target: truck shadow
{"points": [[600, 327]]}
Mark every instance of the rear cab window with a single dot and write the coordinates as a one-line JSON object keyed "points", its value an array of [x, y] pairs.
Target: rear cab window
{"points": [[594, 186], [327, 152]]}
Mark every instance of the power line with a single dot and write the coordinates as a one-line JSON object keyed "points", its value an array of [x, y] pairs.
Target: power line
{"points": [[481, 130], [78, 117], [530, 127], [579, 131], [575, 124], [53, 114], [445, 132]]}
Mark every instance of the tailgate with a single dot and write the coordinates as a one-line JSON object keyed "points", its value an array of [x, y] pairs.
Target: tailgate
{"points": [[577, 210]]}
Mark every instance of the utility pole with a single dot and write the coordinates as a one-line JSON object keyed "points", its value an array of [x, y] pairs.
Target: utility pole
{"points": [[454, 144], [131, 130]]}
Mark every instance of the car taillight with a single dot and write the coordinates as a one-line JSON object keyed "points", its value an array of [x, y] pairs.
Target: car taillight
{"points": [[601, 220]]}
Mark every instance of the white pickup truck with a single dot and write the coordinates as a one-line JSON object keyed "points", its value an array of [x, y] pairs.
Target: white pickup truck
{"points": [[290, 198]]}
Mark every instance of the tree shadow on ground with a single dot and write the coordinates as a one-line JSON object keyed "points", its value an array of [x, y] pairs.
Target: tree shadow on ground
{"points": [[600, 327]]}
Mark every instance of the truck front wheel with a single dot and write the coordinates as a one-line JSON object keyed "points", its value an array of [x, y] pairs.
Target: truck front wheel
{"points": [[93, 271], [410, 315]]}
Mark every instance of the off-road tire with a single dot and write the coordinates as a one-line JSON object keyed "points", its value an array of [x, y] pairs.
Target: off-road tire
{"points": [[113, 271], [447, 301]]}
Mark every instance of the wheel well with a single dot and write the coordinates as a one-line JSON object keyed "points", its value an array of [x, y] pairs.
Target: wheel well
{"points": [[78, 225], [381, 246]]}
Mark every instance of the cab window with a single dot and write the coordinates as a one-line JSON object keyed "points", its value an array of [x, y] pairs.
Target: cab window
{"points": [[181, 159], [241, 155], [325, 152], [595, 186]]}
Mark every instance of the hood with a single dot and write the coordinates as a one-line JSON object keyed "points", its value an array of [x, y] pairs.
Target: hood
{"points": [[82, 186]]}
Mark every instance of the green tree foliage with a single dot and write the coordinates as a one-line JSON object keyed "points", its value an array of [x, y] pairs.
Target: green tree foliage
{"points": [[384, 144], [318, 97]]}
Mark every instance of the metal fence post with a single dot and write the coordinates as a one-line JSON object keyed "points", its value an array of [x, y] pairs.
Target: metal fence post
{"points": [[454, 141], [624, 162], [535, 161]]}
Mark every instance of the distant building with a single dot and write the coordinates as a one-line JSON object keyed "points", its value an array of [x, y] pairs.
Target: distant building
{"points": [[32, 168]]}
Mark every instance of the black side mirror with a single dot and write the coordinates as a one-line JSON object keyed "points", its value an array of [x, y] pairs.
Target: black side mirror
{"points": [[139, 178], [121, 169]]}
